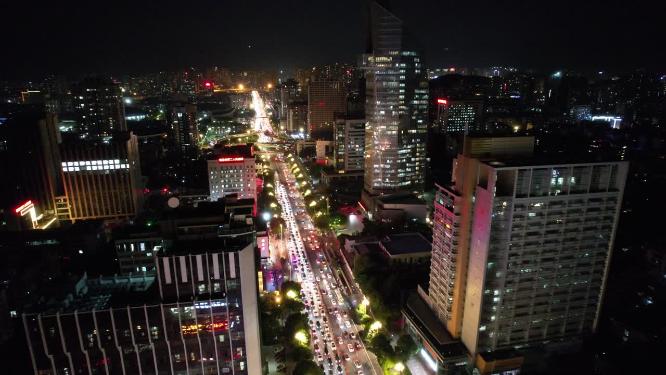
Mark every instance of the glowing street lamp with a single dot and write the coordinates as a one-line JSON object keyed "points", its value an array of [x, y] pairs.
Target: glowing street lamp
{"points": [[376, 325], [399, 367], [301, 337], [291, 294]]}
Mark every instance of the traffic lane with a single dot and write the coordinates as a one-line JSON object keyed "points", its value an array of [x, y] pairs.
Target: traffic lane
{"points": [[339, 328]]}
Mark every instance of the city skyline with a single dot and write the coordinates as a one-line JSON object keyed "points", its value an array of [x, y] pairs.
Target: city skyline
{"points": [[131, 38], [367, 187]]}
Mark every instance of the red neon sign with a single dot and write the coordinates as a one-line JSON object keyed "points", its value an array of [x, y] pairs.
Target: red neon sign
{"points": [[231, 159], [208, 84], [23, 206], [441, 101]]}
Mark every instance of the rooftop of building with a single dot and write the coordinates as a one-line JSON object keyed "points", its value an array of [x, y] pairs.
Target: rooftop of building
{"points": [[84, 294], [432, 329], [399, 198], [406, 243], [547, 160], [226, 215], [235, 151], [367, 248]]}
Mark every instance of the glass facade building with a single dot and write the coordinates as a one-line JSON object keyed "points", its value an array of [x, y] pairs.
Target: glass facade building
{"points": [[396, 107], [206, 320]]}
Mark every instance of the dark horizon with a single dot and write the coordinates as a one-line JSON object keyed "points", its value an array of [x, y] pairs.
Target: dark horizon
{"points": [[129, 38]]}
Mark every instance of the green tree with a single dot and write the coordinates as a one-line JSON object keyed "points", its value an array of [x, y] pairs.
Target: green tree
{"points": [[307, 367], [381, 346], [299, 353], [405, 348], [295, 323]]}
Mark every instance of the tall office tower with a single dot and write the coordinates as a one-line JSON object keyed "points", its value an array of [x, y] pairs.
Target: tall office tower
{"points": [[297, 117], [232, 171], [182, 123], [396, 108], [197, 315], [101, 179], [290, 91], [521, 246], [460, 116], [98, 103], [325, 99], [349, 140], [30, 165]]}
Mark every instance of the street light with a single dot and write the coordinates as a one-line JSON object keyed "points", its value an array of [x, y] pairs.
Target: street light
{"points": [[399, 367], [291, 294], [301, 337]]}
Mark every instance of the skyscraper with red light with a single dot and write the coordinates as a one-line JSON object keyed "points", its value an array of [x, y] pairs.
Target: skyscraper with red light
{"points": [[325, 99], [232, 172]]}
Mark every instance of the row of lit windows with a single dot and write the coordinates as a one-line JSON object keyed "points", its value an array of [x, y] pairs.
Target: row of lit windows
{"points": [[94, 165]]}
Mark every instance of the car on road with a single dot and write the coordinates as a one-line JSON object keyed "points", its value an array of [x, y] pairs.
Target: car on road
{"points": [[350, 347], [358, 364], [346, 357]]}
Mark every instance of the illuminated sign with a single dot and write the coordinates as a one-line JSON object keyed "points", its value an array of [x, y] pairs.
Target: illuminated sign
{"points": [[193, 329], [230, 160], [28, 208], [441, 101]]}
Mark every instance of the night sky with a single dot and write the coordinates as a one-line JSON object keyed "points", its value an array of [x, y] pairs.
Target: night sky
{"points": [[73, 38]]}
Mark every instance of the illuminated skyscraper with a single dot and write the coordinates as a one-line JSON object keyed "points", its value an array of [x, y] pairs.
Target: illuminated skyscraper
{"points": [[349, 137], [99, 105], [183, 129], [463, 116], [396, 108]]}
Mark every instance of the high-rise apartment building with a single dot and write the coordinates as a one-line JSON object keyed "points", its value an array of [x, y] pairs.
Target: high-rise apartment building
{"points": [[182, 123], [98, 103], [101, 178], [325, 99], [290, 91], [521, 246], [396, 108], [349, 140], [232, 171], [297, 117], [460, 116]]}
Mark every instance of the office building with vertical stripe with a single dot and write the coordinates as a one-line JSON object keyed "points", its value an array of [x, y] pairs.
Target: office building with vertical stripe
{"points": [[101, 178], [197, 314]]}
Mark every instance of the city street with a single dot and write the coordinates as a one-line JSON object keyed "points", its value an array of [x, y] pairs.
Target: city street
{"points": [[335, 342]]}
